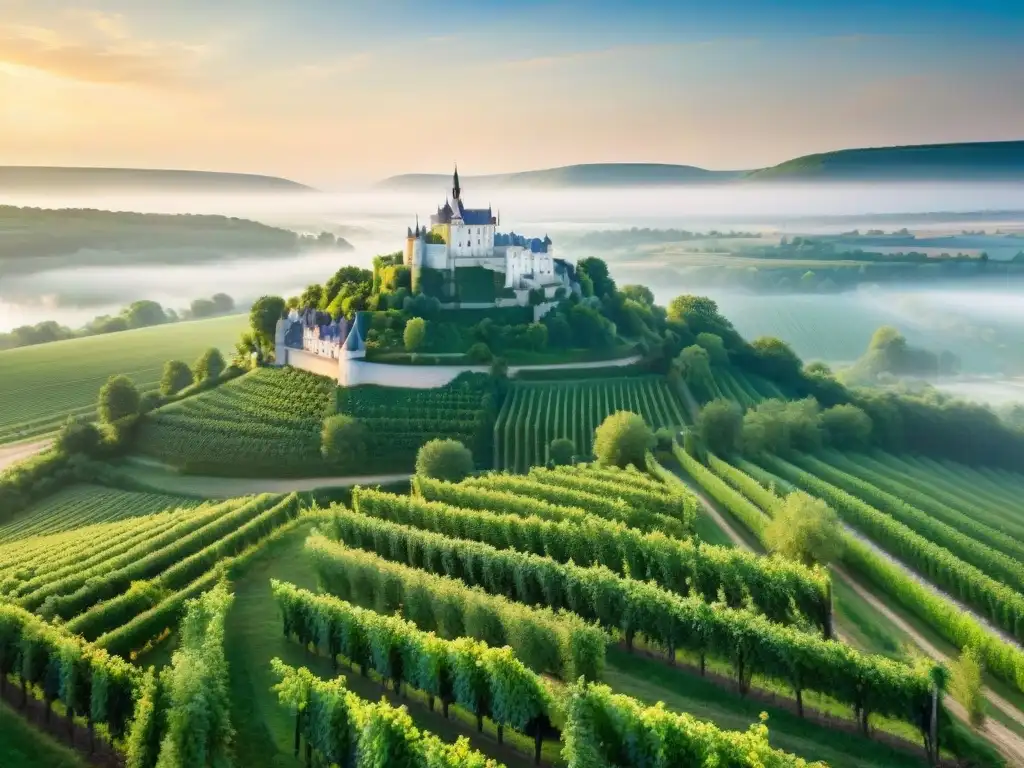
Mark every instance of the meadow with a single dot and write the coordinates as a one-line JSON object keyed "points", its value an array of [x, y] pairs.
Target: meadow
{"points": [[42, 385]]}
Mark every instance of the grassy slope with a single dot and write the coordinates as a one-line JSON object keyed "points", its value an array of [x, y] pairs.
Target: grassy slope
{"points": [[22, 746], [44, 383]]}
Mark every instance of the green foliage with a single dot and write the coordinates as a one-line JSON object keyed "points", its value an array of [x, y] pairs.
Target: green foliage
{"points": [[719, 426], [78, 436], [623, 439], [198, 724], [118, 399], [535, 414], [967, 685], [343, 442], [479, 354], [693, 365], [714, 346], [177, 375], [1000, 604], [751, 643], [773, 586], [343, 729], [263, 317], [210, 365], [596, 270], [778, 426], [805, 529], [847, 427], [562, 450], [604, 729], [559, 644], [415, 333], [444, 460]]}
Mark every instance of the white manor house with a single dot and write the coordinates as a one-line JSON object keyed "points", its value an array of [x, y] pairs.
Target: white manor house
{"points": [[461, 237]]}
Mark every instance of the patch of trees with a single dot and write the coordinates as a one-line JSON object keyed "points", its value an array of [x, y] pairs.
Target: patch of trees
{"points": [[138, 314], [888, 354]]}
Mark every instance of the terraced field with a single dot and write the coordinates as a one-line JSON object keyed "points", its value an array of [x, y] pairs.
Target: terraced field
{"points": [[42, 385], [534, 414], [746, 389]]}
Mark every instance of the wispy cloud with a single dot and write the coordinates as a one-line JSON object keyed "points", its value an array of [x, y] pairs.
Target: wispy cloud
{"points": [[101, 51]]}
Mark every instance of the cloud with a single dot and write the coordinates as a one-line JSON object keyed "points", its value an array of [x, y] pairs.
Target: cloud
{"points": [[102, 52]]}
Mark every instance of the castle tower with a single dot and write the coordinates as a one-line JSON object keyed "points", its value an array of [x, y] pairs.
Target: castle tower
{"points": [[456, 189]]}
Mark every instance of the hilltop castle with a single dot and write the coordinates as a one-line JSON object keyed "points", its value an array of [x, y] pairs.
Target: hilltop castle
{"points": [[461, 237]]}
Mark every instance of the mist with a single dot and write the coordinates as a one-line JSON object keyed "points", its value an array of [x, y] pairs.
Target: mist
{"points": [[75, 289]]}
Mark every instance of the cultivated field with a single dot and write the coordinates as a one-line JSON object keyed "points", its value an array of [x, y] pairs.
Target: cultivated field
{"points": [[536, 414], [44, 384]]}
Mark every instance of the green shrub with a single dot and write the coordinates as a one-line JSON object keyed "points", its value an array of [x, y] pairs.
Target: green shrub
{"points": [[562, 451], [623, 439], [343, 441], [210, 365], [177, 376], [479, 354], [444, 460]]}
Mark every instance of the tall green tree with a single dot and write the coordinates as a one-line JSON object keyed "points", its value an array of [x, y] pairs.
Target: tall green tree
{"points": [[177, 376], [444, 460], [263, 317], [210, 365], [805, 529], [623, 439], [119, 398]]}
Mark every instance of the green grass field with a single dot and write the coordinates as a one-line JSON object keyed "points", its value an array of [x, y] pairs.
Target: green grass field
{"points": [[43, 384], [22, 746]]}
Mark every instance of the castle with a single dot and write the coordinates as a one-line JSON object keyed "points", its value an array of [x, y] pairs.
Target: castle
{"points": [[463, 238]]}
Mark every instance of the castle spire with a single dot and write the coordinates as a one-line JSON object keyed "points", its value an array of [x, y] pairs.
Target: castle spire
{"points": [[456, 189]]}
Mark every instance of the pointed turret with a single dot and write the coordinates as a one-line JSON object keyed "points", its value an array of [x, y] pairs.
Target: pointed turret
{"points": [[456, 189]]}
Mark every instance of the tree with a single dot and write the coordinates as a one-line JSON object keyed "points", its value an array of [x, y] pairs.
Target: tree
{"points": [[444, 460], [263, 319], [966, 684], [715, 347], [640, 293], [847, 427], [142, 314], [719, 425], [597, 271], [562, 451], [683, 307], [177, 376], [343, 441], [415, 333], [537, 336], [312, 296], [805, 529], [210, 365], [222, 303], [776, 360], [623, 439], [202, 308], [479, 353], [118, 399], [78, 436]]}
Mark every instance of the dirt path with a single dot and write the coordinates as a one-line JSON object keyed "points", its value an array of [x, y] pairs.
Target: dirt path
{"points": [[997, 732], [12, 454], [1009, 744], [168, 481]]}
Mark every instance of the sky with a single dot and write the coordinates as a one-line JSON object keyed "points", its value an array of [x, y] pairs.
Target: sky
{"points": [[336, 92]]}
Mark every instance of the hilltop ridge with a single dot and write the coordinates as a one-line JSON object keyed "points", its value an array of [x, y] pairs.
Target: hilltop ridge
{"points": [[29, 178]]}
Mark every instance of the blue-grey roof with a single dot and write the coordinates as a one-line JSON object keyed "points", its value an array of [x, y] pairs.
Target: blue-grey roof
{"points": [[477, 216], [536, 245]]}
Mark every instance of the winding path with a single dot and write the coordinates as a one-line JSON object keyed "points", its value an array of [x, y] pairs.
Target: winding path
{"points": [[12, 454], [1009, 744]]}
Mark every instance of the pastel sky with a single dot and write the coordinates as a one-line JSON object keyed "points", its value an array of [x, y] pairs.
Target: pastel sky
{"points": [[335, 91]]}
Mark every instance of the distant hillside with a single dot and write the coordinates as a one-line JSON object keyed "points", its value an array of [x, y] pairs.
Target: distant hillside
{"points": [[590, 175], [25, 178], [983, 161]]}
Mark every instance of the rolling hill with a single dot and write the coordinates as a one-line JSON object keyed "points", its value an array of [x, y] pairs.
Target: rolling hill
{"points": [[14, 178], [588, 175], [982, 161]]}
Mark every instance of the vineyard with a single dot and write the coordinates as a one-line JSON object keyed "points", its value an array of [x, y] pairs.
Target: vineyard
{"points": [[750, 493], [44, 384], [744, 388], [534, 414], [86, 505], [266, 423], [398, 421]]}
